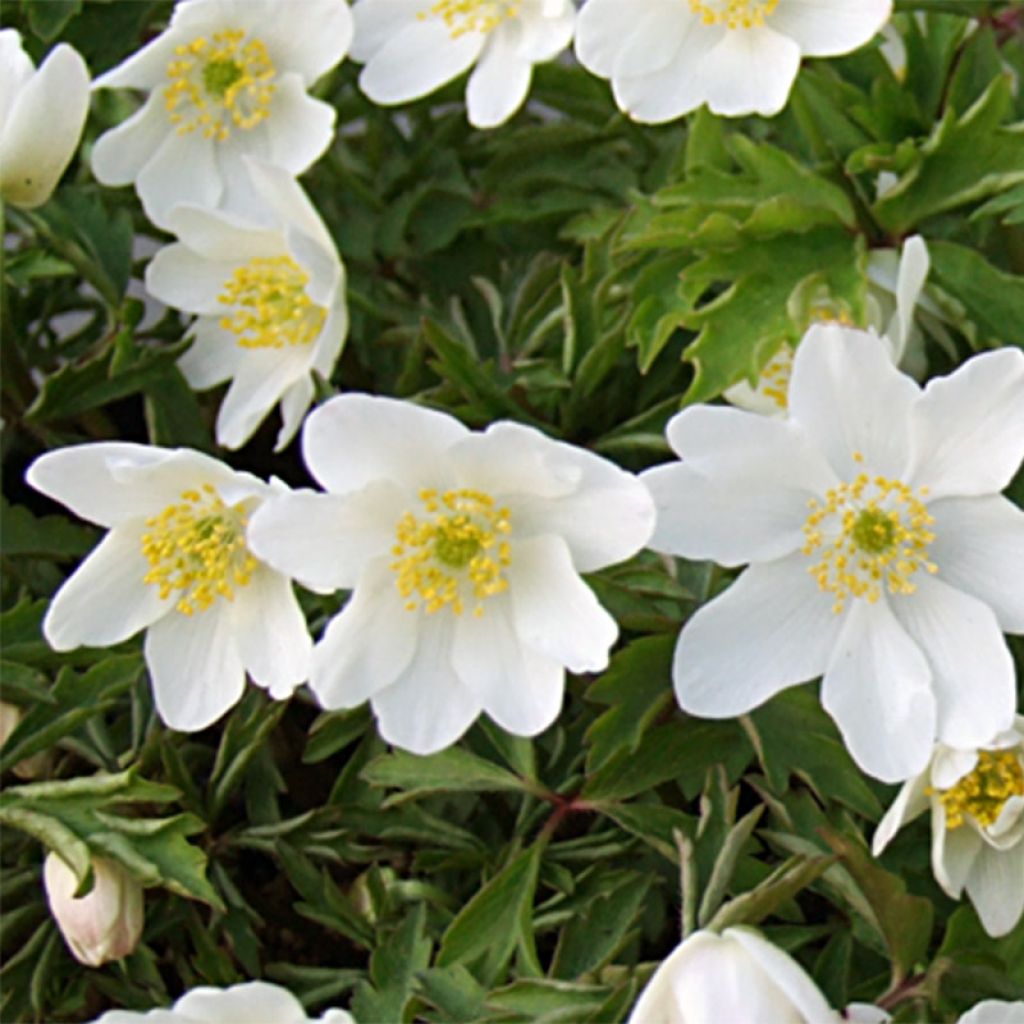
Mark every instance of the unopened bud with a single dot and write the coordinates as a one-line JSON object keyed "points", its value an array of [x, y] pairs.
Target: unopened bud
{"points": [[30, 767]]}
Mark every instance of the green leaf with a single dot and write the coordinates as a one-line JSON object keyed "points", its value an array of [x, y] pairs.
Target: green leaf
{"points": [[455, 993], [22, 533], [547, 1001], [47, 18]]}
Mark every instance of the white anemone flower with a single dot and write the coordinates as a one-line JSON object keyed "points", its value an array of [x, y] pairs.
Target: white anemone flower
{"points": [[269, 301], [256, 1002], [976, 797], [735, 976], [896, 281], [412, 47], [463, 551], [666, 57], [227, 78], [175, 563], [882, 555], [32, 157]]}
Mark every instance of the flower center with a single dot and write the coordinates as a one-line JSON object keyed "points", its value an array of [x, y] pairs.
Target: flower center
{"points": [[464, 16], [983, 793], [868, 535], [198, 548], [733, 13], [455, 550], [269, 304], [218, 82]]}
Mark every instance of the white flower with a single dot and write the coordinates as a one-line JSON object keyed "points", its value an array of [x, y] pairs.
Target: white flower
{"points": [[735, 976], [411, 47], [463, 551], [270, 302], [32, 158], [994, 1011], [254, 1002], [665, 59], [896, 281], [976, 798], [883, 556], [227, 77], [176, 564], [105, 923]]}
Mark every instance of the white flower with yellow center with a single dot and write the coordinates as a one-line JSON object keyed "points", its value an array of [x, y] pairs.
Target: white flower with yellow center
{"points": [[882, 555], [666, 57], [269, 301], [176, 563], [896, 281], [55, 96], [976, 797], [463, 551], [227, 78], [412, 47]]}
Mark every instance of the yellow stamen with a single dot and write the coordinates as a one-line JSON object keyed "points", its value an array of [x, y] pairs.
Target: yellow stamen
{"points": [[983, 792], [218, 83], [456, 548], [733, 13], [464, 16], [198, 548]]}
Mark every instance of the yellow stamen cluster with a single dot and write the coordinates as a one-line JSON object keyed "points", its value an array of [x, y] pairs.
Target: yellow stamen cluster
{"points": [[269, 304], [774, 380], [464, 16], [734, 13], [218, 82], [198, 547], [868, 534], [457, 547], [983, 792]]}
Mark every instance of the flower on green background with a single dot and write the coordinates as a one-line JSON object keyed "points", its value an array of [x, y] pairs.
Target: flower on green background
{"points": [[254, 1002], [896, 281], [737, 56], [882, 555], [412, 47], [176, 563], [269, 299], [976, 798], [227, 78], [56, 96], [463, 551]]}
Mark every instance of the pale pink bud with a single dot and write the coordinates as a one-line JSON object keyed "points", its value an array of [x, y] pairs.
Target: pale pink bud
{"points": [[105, 923]]}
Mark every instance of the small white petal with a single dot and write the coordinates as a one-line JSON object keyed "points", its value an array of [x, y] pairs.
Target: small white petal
{"points": [[376, 23], [953, 852], [182, 170], [294, 403], [214, 356], [120, 154], [912, 800], [996, 888], [258, 384], [181, 278], [499, 83], [828, 28], [300, 128], [311, 40], [913, 269], [950, 765], [144, 69]]}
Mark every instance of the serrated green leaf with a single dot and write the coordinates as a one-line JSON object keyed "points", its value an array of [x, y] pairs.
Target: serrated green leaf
{"points": [[22, 533]]}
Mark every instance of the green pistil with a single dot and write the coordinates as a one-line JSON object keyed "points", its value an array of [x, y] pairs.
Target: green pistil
{"points": [[219, 76], [874, 531]]}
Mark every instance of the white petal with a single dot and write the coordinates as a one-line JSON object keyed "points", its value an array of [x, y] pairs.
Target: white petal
{"points": [[979, 549], [294, 404], [258, 384], [996, 888], [912, 800], [368, 645], [311, 40], [16, 68], [270, 631], [994, 1011], [323, 540], [182, 170], [353, 440], [181, 278], [427, 708], [968, 428], [214, 356], [848, 395], [604, 29], [34, 157], [546, 29], [145, 68], [556, 613], [120, 154], [771, 629], [877, 688], [750, 72], [224, 237], [499, 83], [251, 1001], [953, 852], [377, 22], [282, 196], [950, 765], [300, 127], [972, 671], [195, 667], [913, 269], [520, 689], [827, 28], [650, 39], [105, 600]]}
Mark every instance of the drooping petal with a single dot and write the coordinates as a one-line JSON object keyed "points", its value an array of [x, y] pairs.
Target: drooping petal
{"points": [[967, 431], [979, 549], [270, 631], [912, 800], [520, 689], [214, 356], [771, 629], [827, 28], [972, 671], [368, 645], [195, 667], [499, 83], [556, 614], [913, 270], [953, 852], [300, 128], [105, 600], [353, 440], [294, 403], [877, 688], [258, 384], [846, 393]]}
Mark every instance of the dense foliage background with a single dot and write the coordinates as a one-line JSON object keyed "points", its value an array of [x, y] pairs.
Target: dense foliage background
{"points": [[584, 274]]}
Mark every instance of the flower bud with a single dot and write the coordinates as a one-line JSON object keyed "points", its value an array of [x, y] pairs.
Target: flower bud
{"points": [[30, 767], [105, 923]]}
